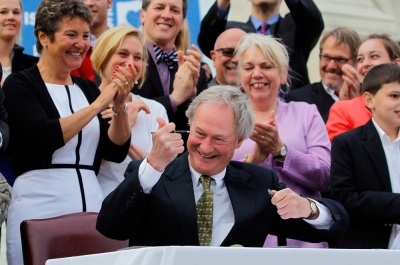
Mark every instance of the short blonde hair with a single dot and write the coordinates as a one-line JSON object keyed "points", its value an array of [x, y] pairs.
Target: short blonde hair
{"points": [[273, 50], [109, 42]]}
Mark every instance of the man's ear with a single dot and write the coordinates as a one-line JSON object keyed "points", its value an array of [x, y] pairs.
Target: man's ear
{"points": [[109, 4], [142, 15], [213, 54], [239, 142], [397, 61]]}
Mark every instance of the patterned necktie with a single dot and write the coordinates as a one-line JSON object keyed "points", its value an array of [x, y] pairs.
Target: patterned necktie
{"points": [[264, 27], [170, 58], [205, 212]]}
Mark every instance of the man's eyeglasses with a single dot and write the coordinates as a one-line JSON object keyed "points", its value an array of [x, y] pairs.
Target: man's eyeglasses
{"points": [[338, 60], [227, 52]]}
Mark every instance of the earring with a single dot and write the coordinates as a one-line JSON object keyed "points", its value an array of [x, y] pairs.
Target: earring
{"points": [[45, 46]]}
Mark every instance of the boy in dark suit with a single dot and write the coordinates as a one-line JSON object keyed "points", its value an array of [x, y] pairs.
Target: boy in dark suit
{"points": [[365, 170]]}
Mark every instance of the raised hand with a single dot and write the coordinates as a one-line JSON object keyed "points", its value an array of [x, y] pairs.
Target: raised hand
{"points": [[184, 80], [134, 107], [267, 136], [166, 145], [351, 84], [123, 78], [290, 205]]}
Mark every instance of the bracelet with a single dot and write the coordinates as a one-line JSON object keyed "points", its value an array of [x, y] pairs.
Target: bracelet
{"points": [[125, 110], [245, 158], [144, 155]]}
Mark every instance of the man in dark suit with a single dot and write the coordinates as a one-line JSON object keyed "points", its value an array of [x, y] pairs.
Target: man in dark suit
{"points": [[365, 165], [299, 30], [173, 88], [338, 53], [204, 198]]}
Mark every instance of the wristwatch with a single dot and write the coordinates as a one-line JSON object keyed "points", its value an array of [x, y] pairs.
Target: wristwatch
{"points": [[314, 209], [282, 152]]}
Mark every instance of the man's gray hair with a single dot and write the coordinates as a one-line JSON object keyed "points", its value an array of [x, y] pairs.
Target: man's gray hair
{"points": [[229, 96]]}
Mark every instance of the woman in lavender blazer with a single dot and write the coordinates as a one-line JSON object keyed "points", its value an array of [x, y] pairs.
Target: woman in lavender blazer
{"points": [[289, 138]]}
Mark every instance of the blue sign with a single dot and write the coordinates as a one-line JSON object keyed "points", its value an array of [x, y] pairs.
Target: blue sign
{"points": [[122, 11]]}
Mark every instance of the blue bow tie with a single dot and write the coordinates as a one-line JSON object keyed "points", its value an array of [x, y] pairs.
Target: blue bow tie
{"points": [[170, 58]]}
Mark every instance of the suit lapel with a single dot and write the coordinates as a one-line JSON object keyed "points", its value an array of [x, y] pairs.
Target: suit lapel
{"points": [[372, 144], [249, 27], [243, 200], [172, 73], [180, 192], [322, 99], [153, 75]]}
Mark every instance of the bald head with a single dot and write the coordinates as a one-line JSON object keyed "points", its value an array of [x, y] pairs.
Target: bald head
{"points": [[225, 62], [229, 37]]}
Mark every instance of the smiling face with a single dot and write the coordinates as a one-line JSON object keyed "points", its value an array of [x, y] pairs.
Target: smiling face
{"points": [[71, 42], [162, 21], [372, 52], [10, 18], [385, 106], [331, 73], [260, 79], [226, 64], [98, 10], [212, 139], [129, 52]]}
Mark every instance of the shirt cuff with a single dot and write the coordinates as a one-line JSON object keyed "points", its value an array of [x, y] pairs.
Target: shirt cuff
{"points": [[148, 176], [324, 220], [223, 13], [173, 104]]}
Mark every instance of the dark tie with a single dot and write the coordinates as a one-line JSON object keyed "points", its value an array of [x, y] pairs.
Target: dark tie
{"points": [[170, 58], [205, 212], [264, 27]]}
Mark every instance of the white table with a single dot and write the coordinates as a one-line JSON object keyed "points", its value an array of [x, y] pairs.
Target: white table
{"points": [[234, 256]]}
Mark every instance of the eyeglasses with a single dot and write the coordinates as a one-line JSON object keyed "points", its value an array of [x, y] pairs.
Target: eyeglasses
{"points": [[338, 60], [227, 52]]}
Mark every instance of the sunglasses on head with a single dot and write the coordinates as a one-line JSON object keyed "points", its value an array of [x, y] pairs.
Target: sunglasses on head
{"points": [[228, 52]]}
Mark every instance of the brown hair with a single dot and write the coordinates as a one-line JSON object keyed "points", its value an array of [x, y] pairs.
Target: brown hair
{"points": [[50, 13], [346, 36], [392, 47], [380, 75]]}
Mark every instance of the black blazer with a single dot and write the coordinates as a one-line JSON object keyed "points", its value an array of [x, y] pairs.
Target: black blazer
{"points": [[313, 94], [21, 61], [35, 123], [167, 216], [152, 89], [360, 181], [4, 129], [299, 31]]}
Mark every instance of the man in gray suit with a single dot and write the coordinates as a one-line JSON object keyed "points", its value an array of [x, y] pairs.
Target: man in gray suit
{"points": [[224, 59]]}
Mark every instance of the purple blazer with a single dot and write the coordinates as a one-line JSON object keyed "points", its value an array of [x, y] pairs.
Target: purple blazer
{"points": [[307, 163]]}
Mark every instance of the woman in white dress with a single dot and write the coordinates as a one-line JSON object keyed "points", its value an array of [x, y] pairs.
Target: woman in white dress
{"points": [[123, 45], [58, 135]]}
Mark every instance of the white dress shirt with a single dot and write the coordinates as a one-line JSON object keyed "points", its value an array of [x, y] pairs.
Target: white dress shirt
{"points": [[223, 215], [330, 92], [392, 153]]}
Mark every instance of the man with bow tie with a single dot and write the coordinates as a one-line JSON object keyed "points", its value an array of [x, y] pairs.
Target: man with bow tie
{"points": [[173, 79]]}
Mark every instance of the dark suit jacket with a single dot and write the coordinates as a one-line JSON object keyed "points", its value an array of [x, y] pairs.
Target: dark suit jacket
{"points": [[299, 31], [360, 181], [313, 94], [22, 61], [167, 216], [4, 129], [152, 89]]}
